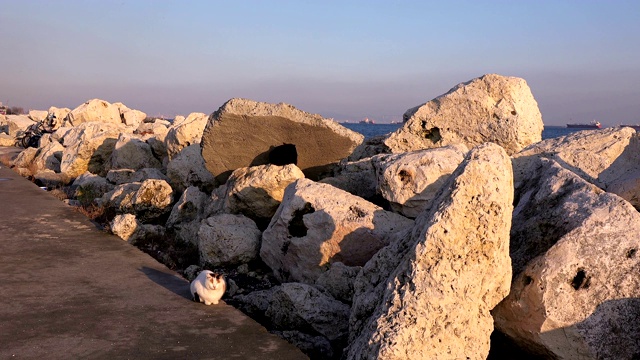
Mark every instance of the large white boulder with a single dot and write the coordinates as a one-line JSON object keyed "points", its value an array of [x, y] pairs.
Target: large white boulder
{"points": [[317, 225], [88, 147], [493, 108], [49, 154], [187, 168], [130, 117], [130, 152], [227, 239], [38, 115], [185, 133], [428, 294], [94, 110], [187, 214], [576, 269]]}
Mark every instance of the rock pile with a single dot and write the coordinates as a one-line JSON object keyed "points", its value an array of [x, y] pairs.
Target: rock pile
{"points": [[411, 245]]}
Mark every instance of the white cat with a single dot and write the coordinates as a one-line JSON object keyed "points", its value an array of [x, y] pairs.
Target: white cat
{"points": [[208, 287]]}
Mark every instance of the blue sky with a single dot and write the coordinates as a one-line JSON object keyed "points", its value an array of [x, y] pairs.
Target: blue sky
{"points": [[340, 59]]}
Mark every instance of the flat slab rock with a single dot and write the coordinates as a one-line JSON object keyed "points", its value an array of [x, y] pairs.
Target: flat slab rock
{"points": [[242, 132]]}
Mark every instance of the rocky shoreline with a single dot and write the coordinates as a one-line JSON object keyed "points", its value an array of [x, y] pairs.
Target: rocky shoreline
{"points": [[460, 235]]}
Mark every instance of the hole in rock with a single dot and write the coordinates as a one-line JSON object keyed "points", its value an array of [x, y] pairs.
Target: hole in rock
{"points": [[283, 155], [631, 253], [297, 228], [527, 280], [581, 281], [513, 112], [433, 134], [405, 176]]}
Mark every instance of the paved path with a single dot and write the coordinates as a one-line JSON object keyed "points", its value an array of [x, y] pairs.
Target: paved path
{"points": [[70, 291]]}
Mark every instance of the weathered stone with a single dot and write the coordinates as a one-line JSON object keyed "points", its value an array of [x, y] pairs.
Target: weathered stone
{"points": [[608, 158], [187, 168], [128, 228], [120, 199], [38, 115], [88, 147], [185, 133], [153, 199], [257, 191], [60, 114], [93, 110], [18, 124], [242, 132], [49, 179], [491, 108], [410, 181], [575, 263], [25, 158], [6, 140], [317, 225], [130, 152], [49, 155], [228, 239], [130, 117], [429, 293], [123, 176], [89, 186], [357, 178], [338, 281], [187, 214]]}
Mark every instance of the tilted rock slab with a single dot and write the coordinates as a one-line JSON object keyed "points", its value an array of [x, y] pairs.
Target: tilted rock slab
{"points": [[241, 133], [576, 269], [94, 110], [185, 133], [318, 224], [410, 181], [491, 108], [430, 292], [608, 158]]}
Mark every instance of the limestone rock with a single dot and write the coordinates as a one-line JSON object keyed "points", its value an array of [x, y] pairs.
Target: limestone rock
{"points": [[94, 110], [17, 124], [153, 199], [49, 179], [123, 176], [187, 168], [228, 239], [429, 292], [317, 225], [257, 191], [338, 281], [25, 158], [60, 114], [130, 152], [128, 228], [130, 117], [356, 177], [38, 115], [88, 147], [49, 155], [410, 181], [6, 140], [90, 186], [185, 133], [491, 108], [242, 132], [575, 263], [187, 214], [120, 199], [608, 158]]}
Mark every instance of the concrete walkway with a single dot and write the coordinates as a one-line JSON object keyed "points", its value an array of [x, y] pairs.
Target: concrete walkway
{"points": [[70, 291]]}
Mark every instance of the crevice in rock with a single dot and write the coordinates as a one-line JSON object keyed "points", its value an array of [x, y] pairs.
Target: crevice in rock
{"points": [[297, 228]]}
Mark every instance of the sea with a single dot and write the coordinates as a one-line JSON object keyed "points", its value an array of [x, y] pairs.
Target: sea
{"points": [[371, 130]]}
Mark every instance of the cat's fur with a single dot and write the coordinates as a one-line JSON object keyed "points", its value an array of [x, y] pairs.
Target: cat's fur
{"points": [[208, 287]]}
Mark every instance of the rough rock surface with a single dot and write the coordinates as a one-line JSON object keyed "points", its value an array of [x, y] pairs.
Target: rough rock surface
{"points": [[6, 140], [38, 115], [428, 294], [17, 123], [228, 239], [123, 176], [89, 186], [491, 108], [49, 155], [88, 147], [187, 168], [130, 117], [357, 178], [575, 262], [129, 152], [608, 158], [153, 199], [338, 281], [185, 133], [242, 132], [409, 181], [94, 110], [318, 224], [257, 191], [187, 214]]}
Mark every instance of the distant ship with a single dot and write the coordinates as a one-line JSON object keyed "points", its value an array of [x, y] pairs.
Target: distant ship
{"points": [[592, 125], [367, 121]]}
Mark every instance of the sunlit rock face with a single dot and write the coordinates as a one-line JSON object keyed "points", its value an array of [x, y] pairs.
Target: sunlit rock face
{"points": [[491, 108], [243, 132]]}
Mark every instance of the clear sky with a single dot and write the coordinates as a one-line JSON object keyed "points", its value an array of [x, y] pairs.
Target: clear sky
{"points": [[340, 59]]}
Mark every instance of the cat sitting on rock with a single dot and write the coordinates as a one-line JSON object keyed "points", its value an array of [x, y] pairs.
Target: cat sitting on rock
{"points": [[208, 287]]}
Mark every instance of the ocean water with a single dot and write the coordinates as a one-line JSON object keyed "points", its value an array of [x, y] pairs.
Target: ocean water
{"points": [[370, 130]]}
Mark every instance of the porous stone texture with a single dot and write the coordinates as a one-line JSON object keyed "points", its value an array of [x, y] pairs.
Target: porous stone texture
{"points": [[6, 140], [94, 110], [125, 226], [242, 132], [318, 224], [120, 199], [575, 262], [491, 108], [153, 199], [130, 152], [428, 294], [49, 155], [123, 176], [187, 213], [88, 147], [185, 133], [295, 306], [257, 191], [89, 186], [356, 177], [60, 114], [338, 281], [608, 158], [187, 168], [228, 239], [130, 117], [410, 181], [25, 158]]}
